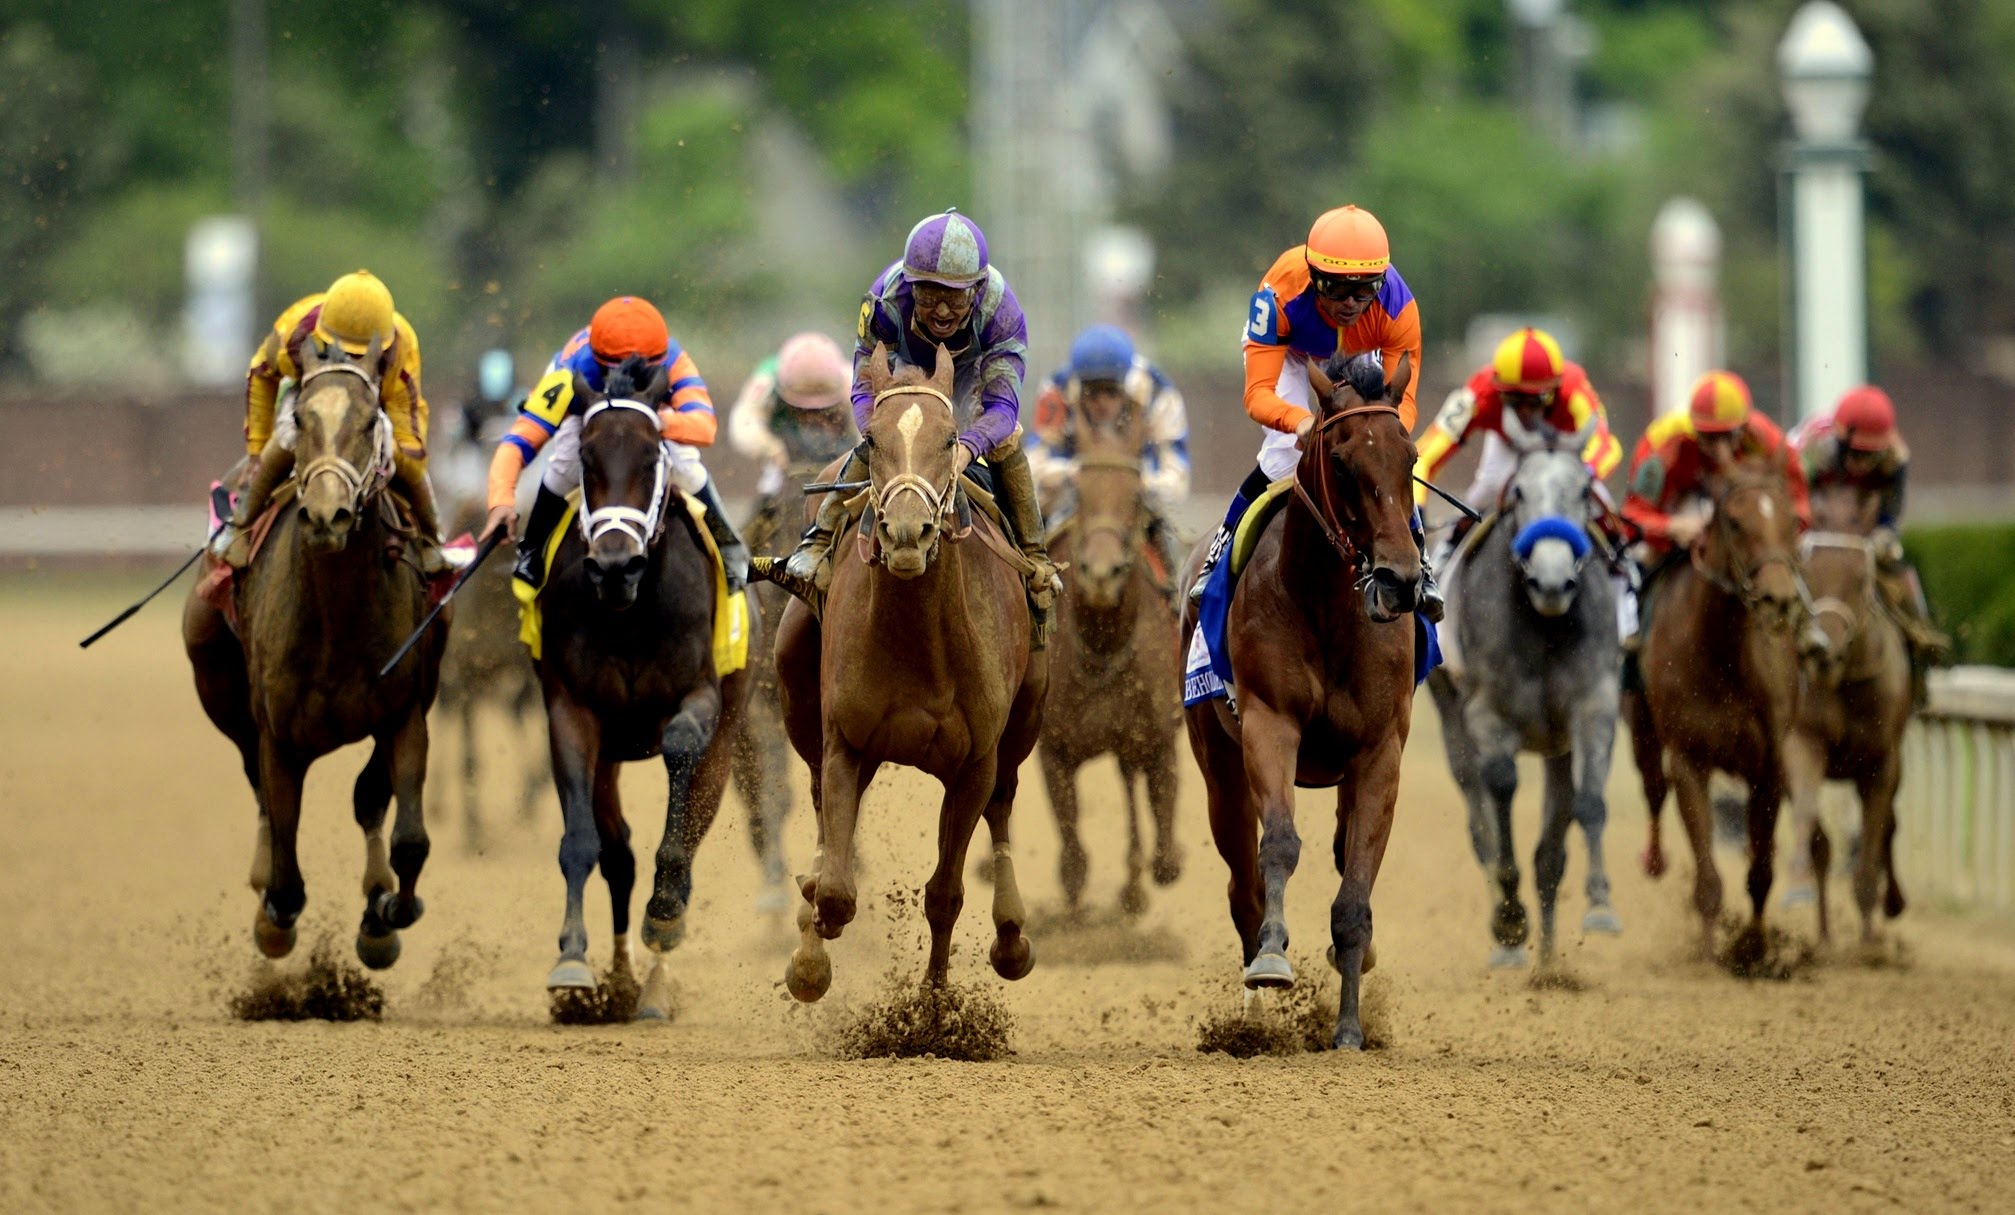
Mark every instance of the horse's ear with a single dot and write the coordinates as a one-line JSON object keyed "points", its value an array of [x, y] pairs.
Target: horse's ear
{"points": [[943, 372], [582, 394], [661, 379], [1402, 375], [373, 353], [1516, 434], [878, 369], [1324, 388]]}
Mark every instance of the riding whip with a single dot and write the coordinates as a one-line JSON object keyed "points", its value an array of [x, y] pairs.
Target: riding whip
{"points": [[1451, 499], [826, 487], [126, 615], [488, 546]]}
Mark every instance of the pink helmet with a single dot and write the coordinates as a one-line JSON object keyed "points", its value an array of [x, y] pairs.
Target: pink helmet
{"points": [[811, 372]]}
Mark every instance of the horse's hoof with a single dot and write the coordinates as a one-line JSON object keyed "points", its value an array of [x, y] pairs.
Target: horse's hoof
{"points": [[1803, 894], [809, 975], [661, 935], [1132, 899], [1167, 867], [1893, 902], [808, 885], [273, 940], [1653, 861], [570, 974], [1348, 1036], [1012, 957], [392, 910], [1507, 957], [1269, 970], [378, 953], [1602, 919]]}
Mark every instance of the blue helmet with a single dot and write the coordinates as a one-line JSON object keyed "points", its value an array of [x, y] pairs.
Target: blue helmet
{"points": [[1102, 352], [948, 249]]}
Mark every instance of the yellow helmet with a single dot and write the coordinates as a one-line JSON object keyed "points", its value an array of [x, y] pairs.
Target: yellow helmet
{"points": [[356, 309]]}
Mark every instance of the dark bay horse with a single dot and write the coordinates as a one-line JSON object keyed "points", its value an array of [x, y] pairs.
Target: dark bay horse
{"points": [[628, 673], [1321, 634], [1115, 674], [329, 598], [1720, 664], [924, 657], [1854, 704]]}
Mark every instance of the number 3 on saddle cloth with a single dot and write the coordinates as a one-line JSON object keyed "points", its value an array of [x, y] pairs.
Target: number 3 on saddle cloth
{"points": [[1207, 670], [218, 586]]}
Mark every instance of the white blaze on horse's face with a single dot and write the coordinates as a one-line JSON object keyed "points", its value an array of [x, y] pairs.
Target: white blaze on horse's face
{"points": [[333, 465], [907, 426], [1768, 511]]}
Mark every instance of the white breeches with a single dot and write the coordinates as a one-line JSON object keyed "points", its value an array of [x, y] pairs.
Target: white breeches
{"points": [[1280, 451], [563, 462]]}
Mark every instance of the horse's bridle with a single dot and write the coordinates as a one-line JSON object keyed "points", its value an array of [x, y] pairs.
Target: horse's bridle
{"points": [[1321, 503], [937, 499], [1743, 586], [1092, 527], [643, 526], [1829, 605], [359, 485]]}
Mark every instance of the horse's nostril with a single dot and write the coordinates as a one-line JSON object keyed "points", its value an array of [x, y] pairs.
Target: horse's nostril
{"points": [[1567, 588], [634, 567], [341, 518]]}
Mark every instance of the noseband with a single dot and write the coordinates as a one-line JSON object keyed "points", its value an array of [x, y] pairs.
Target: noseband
{"points": [[1829, 605], [642, 526], [358, 484], [1320, 503]]}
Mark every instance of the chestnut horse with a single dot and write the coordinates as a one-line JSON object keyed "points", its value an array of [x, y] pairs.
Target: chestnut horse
{"points": [[328, 599], [924, 657], [1321, 634], [1720, 665], [1854, 704], [1115, 677]]}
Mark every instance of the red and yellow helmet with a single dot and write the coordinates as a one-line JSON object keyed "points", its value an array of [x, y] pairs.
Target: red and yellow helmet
{"points": [[625, 326], [1528, 361], [1865, 418], [1719, 403], [1349, 243]]}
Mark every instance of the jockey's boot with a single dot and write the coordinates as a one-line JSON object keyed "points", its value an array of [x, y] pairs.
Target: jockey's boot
{"points": [[734, 553], [1014, 486], [1431, 605], [811, 562], [233, 545], [1249, 490], [419, 493], [547, 508], [1898, 587]]}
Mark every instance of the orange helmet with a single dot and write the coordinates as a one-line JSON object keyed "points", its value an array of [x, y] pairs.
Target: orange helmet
{"points": [[1528, 361], [625, 326], [1350, 243], [1865, 419], [1719, 403]]}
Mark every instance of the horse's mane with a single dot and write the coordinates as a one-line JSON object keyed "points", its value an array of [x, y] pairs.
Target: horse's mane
{"points": [[905, 374], [629, 378], [1365, 373]]}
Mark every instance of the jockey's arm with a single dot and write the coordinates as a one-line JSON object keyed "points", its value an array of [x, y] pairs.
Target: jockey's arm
{"points": [[1892, 492], [1002, 363], [1794, 475], [399, 393], [749, 417], [1402, 338], [686, 415], [1165, 463], [537, 419], [1443, 438], [1263, 402], [1602, 453], [1647, 490], [270, 365]]}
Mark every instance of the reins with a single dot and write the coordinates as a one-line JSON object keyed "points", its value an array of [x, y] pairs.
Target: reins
{"points": [[1320, 504]]}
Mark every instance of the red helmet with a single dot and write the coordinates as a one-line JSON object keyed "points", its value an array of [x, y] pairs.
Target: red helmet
{"points": [[625, 326], [1865, 419], [1719, 403], [1528, 361]]}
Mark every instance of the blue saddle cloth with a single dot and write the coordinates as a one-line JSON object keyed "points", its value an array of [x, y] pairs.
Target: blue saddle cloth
{"points": [[1207, 670]]}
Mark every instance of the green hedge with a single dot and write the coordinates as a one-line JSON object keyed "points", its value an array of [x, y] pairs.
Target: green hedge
{"points": [[1969, 577]]}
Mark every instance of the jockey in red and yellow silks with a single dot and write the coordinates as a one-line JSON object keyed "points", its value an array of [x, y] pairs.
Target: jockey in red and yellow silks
{"points": [[354, 311], [1669, 470], [1338, 293], [1530, 377]]}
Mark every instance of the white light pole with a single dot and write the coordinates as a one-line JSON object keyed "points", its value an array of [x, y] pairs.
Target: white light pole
{"points": [[1826, 65], [1686, 320]]}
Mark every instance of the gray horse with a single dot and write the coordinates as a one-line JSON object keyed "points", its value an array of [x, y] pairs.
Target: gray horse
{"points": [[1534, 617]]}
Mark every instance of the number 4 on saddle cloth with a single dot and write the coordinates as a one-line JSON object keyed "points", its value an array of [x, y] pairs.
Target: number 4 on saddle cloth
{"points": [[1207, 670], [731, 612]]}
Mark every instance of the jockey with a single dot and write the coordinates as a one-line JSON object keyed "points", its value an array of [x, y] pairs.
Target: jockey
{"points": [[1338, 293], [1104, 354], [624, 326], [785, 418], [1858, 446], [944, 292], [1543, 391], [356, 309]]}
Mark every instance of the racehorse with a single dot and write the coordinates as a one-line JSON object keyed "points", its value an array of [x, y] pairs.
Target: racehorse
{"points": [[1720, 665], [923, 657], [1114, 673], [628, 672], [328, 599], [1854, 704], [1541, 664], [1321, 638]]}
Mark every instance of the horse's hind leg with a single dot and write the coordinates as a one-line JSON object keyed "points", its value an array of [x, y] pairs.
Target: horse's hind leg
{"points": [[1011, 955], [1060, 775], [1594, 744], [1365, 801], [1497, 755], [576, 736], [1161, 796], [966, 797], [1231, 825], [225, 690], [1690, 783], [685, 742], [1878, 832], [1272, 741], [280, 776], [760, 757], [1132, 897], [1549, 857], [409, 823], [617, 858], [1649, 753], [1766, 795], [472, 798], [377, 941], [1805, 772]]}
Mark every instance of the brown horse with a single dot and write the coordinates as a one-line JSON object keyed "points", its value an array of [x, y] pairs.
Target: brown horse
{"points": [[629, 673], [1321, 634], [924, 658], [1720, 666], [1854, 704], [1115, 677], [328, 600]]}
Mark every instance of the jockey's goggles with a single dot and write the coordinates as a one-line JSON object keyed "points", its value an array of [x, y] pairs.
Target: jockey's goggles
{"points": [[1529, 400], [1341, 289], [930, 295]]}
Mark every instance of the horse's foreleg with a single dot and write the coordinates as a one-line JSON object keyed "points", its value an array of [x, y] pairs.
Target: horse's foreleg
{"points": [[685, 741], [1497, 768], [377, 940], [618, 860], [840, 797], [280, 776], [1878, 833], [1766, 795], [1804, 774], [1132, 897], [1549, 856], [1231, 823], [1690, 784], [1060, 776], [472, 814], [1594, 745], [1272, 744], [1161, 794], [409, 823], [760, 758], [1365, 802], [966, 797], [1011, 955], [1649, 754], [576, 737]]}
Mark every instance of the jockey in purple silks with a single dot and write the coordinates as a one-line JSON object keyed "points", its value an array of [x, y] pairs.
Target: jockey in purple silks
{"points": [[943, 292]]}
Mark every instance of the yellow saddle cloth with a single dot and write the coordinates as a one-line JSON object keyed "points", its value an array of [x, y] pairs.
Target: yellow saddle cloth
{"points": [[1252, 524], [731, 612]]}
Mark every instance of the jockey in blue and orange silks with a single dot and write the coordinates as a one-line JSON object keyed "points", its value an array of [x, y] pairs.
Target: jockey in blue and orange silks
{"points": [[622, 327], [1337, 294], [945, 292]]}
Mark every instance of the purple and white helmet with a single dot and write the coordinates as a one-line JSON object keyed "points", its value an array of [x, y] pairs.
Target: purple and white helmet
{"points": [[948, 249]]}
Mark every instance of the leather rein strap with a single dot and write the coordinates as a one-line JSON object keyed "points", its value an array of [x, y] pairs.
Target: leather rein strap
{"points": [[1320, 504]]}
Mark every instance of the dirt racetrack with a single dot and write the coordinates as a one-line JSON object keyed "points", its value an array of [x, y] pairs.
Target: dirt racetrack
{"points": [[1658, 1084]]}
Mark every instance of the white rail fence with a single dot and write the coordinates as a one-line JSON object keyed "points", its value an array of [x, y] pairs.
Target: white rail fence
{"points": [[1955, 835]]}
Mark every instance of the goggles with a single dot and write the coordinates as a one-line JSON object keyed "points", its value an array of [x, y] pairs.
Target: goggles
{"points": [[1359, 290]]}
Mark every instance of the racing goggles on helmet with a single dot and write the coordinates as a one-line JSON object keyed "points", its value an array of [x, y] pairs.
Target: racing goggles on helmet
{"points": [[1347, 288], [1543, 399]]}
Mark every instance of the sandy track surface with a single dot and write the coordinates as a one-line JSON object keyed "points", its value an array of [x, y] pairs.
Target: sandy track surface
{"points": [[1659, 1083]]}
